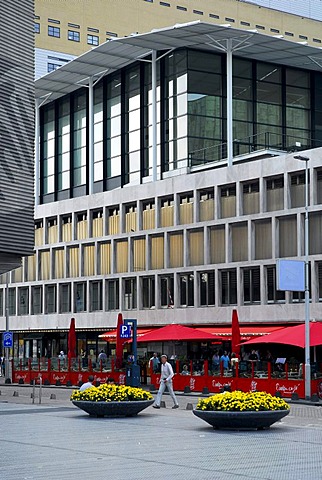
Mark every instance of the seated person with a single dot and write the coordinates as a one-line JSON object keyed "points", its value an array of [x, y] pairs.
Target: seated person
{"points": [[185, 370]]}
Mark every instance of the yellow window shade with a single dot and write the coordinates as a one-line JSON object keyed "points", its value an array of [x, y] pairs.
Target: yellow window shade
{"points": [[176, 250], [206, 210], [59, 263], [67, 229], [139, 257], [157, 253], [39, 235], [97, 227], [186, 213], [130, 222], [31, 268], [121, 257], [166, 216], [74, 262], [89, 260], [82, 230], [45, 265], [196, 248], [105, 258], [114, 224], [217, 245], [149, 219], [53, 234]]}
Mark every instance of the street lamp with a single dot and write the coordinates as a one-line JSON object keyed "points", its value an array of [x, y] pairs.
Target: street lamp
{"points": [[307, 293]]}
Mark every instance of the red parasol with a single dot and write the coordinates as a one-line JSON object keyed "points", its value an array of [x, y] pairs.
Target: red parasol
{"points": [[235, 334], [119, 342], [293, 336], [175, 332], [72, 340]]}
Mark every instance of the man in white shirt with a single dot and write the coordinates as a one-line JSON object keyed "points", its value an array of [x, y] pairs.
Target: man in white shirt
{"points": [[88, 384], [165, 382]]}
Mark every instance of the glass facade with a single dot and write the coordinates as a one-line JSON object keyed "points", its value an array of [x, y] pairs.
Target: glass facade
{"points": [[273, 106]]}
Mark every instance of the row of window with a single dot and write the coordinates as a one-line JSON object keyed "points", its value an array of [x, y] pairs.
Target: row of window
{"points": [[190, 289]]}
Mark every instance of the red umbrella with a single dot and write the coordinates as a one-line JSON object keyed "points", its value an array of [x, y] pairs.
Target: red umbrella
{"points": [[72, 340], [119, 342], [175, 332], [292, 336], [235, 333]]}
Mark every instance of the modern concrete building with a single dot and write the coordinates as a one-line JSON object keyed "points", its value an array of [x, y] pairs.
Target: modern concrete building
{"points": [[16, 133], [167, 186], [68, 29]]}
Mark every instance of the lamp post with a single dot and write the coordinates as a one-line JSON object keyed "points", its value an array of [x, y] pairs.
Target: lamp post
{"points": [[307, 293]]}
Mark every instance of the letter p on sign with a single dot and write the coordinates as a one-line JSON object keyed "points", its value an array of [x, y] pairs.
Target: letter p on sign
{"points": [[125, 331]]}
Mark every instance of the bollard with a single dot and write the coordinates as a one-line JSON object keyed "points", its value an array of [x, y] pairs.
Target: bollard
{"points": [[40, 388], [69, 383], [15, 393], [31, 395], [58, 383], [294, 396], [205, 391], [0, 392], [186, 390], [52, 396], [314, 397], [278, 394], [189, 406], [162, 404], [21, 381]]}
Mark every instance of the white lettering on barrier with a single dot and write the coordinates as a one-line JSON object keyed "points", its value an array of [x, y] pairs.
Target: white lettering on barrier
{"points": [[287, 390], [192, 383]]}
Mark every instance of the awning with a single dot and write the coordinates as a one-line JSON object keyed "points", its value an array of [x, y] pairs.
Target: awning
{"points": [[246, 333], [111, 335]]}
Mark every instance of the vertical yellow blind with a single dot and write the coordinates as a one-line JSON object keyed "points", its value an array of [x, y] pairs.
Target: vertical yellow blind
{"points": [[39, 236], [89, 260], [59, 263], [206, 210], [82, 230], [31, 268], [139, 257], [148, 219], [166, 216], [176, 250], [17, 275], [45, 265], [114, 224], [105, 258], [250, 203], [130, 221], [228, 206], [97, 230], [217, 245], [67, 229], [288, 236], [186, 212], [74, 262], [157, 253], [121, 257], [239, 241], [196, 248], [263, 239], [53, 234]]}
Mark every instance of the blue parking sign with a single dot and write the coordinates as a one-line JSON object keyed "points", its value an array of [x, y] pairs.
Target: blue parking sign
{"points": [[125, 331], [8, 339]]}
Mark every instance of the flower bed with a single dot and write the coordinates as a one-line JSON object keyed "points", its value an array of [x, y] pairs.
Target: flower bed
{"points": [[112, 400], [239, 410]]}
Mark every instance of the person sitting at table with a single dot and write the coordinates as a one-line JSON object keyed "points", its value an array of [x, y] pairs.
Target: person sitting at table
{"points": [[253, 356], [233, 362], [185, 370]]}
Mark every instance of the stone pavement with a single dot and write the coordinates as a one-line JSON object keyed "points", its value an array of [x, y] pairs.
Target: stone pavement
{"points": [[55, 440]]}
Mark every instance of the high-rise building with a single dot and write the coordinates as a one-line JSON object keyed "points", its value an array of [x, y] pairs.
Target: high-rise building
{"points": [[16, 133], [167, 187], [67, 29]]}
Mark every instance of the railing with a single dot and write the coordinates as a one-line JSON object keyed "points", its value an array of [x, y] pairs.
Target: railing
{"points": [[251, 144]]}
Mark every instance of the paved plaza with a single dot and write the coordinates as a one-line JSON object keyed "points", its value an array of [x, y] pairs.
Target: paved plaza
{"points": [[55, 440]]}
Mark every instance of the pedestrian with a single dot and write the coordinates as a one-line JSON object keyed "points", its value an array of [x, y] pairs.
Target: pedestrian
{"points": [[102, 358], [165, 382], [155, 363], [225, 360], [88, 384]]}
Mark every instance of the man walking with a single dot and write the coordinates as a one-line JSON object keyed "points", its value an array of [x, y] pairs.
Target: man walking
{"points": [[165, 382]]}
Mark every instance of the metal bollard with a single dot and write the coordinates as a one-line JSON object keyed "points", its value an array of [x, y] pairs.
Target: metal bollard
{"points": [[40, 388], [33, 390]]}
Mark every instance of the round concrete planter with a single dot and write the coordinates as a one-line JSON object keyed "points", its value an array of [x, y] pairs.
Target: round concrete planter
{"points": [[113, 409], [241, 420]]}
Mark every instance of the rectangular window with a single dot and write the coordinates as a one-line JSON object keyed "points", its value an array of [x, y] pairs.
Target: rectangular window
{"points": [[80, 297], [92, 40], [263, 239], [251, 285], [212, 15], [229, 287], [53, 31], [96, 300], [251, 198], [1, 303], [112, 292], [50, 299], [186, 285], [273, 295], [275, 194], [129, 293], [184, 9], [164, 4], [64, 298], [246, 24], [207, 288], [23, 301], [198, 12], [167, 291], [36, 300], [228, 201], [52, 20], [231, 20], [36, 27], [12, 301], [73, 36], [94, 30], [274, 30], [73, 25], [51, 67], [148, 292]]}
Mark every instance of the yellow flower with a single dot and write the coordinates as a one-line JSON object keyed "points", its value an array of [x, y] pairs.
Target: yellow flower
{"points": [[242, 401]]}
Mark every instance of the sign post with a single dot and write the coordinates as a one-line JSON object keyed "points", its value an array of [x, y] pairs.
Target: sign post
{"points": [[134, 380], [7, 336]]}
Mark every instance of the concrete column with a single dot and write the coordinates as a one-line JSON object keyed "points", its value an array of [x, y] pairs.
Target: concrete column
{"points": [[37, 151], [229, 68], [90, 135], [154, 116]]}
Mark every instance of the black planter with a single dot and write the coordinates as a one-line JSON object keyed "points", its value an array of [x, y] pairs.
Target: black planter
{"points": [[241, 420], [113, 409]]}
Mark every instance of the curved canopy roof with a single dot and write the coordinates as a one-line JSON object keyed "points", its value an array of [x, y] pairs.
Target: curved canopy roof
{"points": [[119, 52]]}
